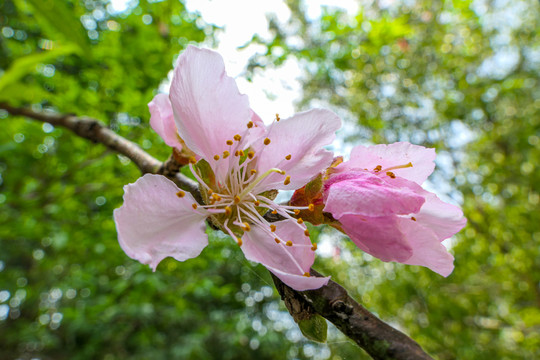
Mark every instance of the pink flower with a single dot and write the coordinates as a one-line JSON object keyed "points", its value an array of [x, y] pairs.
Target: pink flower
{"points": [[241, 163], [377, 198]]}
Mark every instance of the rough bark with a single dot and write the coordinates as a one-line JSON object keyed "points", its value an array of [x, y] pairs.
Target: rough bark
{"points": [[378, 339]]}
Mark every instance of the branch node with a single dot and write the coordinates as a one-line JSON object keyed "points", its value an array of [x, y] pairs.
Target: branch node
{"points": [[340, 306]]}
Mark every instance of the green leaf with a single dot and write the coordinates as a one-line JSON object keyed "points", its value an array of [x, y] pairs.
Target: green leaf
{"points": [[314, 187], [315, 328], [27, 64], [19, 92], [59, 16], [206, 172]]}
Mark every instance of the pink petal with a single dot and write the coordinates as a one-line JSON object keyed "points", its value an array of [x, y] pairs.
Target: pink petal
{"points": [[288, 263], [302, 137], [427, 249], [299, 282], [394, 238], [208, 108], [378, 236], [365, 194], [400, 153], [162, 120], [154, 223], [258, 128], [444, 219]]}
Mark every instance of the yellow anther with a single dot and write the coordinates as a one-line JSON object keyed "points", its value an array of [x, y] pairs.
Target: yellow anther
{"points": [[257, 202], [228, 210], [311, 207], [266, 141], [229, 142], [306, 274], [282, 172], [237, 199], [241, 152], [287, 180], [236, 153], [277, 240], [253, 171], [251, 154], [180, 194], [300, 221], [288, 243], [274, 212], [237, 137], [296, 211], [377, 168], [193, 160], [288, 157], [306, 232], [226, 154], [314, 246], [216, 197], [246, 226], [210, 192], [391, 174], [239, 241], [250, 124], [216, 157], [277, 117], [272, 228], [194, 206], [413, 218]]}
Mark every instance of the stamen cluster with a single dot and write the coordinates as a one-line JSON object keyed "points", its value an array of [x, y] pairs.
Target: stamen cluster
{"points": [[234, 206]]}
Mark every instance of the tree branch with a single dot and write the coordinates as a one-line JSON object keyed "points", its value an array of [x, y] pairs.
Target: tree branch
{"points": [[97, 132], [378, 339], [332, 302]]}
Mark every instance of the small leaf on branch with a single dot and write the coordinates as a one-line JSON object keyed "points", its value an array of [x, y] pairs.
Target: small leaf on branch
{"points": [[315, 328]]}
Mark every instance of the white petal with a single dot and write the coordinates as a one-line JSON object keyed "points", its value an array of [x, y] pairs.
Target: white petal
{"points": [[303, 137], [154, 223], [289, 263], [208, 107]]}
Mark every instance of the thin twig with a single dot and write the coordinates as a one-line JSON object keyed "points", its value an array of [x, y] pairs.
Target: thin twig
{"points": [[332, 301], [95, 131]]}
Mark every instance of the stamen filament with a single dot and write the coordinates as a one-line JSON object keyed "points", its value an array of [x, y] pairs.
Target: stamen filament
{"points": [[397, 167], [216, 211], [197, 176], [239, 241], [257, 181]]}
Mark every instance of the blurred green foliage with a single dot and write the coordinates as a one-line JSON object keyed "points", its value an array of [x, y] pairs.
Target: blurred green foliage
{"points": [[460, 76]]}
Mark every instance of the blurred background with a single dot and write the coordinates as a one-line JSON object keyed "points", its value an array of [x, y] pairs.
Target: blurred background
{"points": [[460, 76]]}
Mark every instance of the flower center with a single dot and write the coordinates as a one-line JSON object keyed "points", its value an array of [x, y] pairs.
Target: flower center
{"points": [[232, 203]]}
